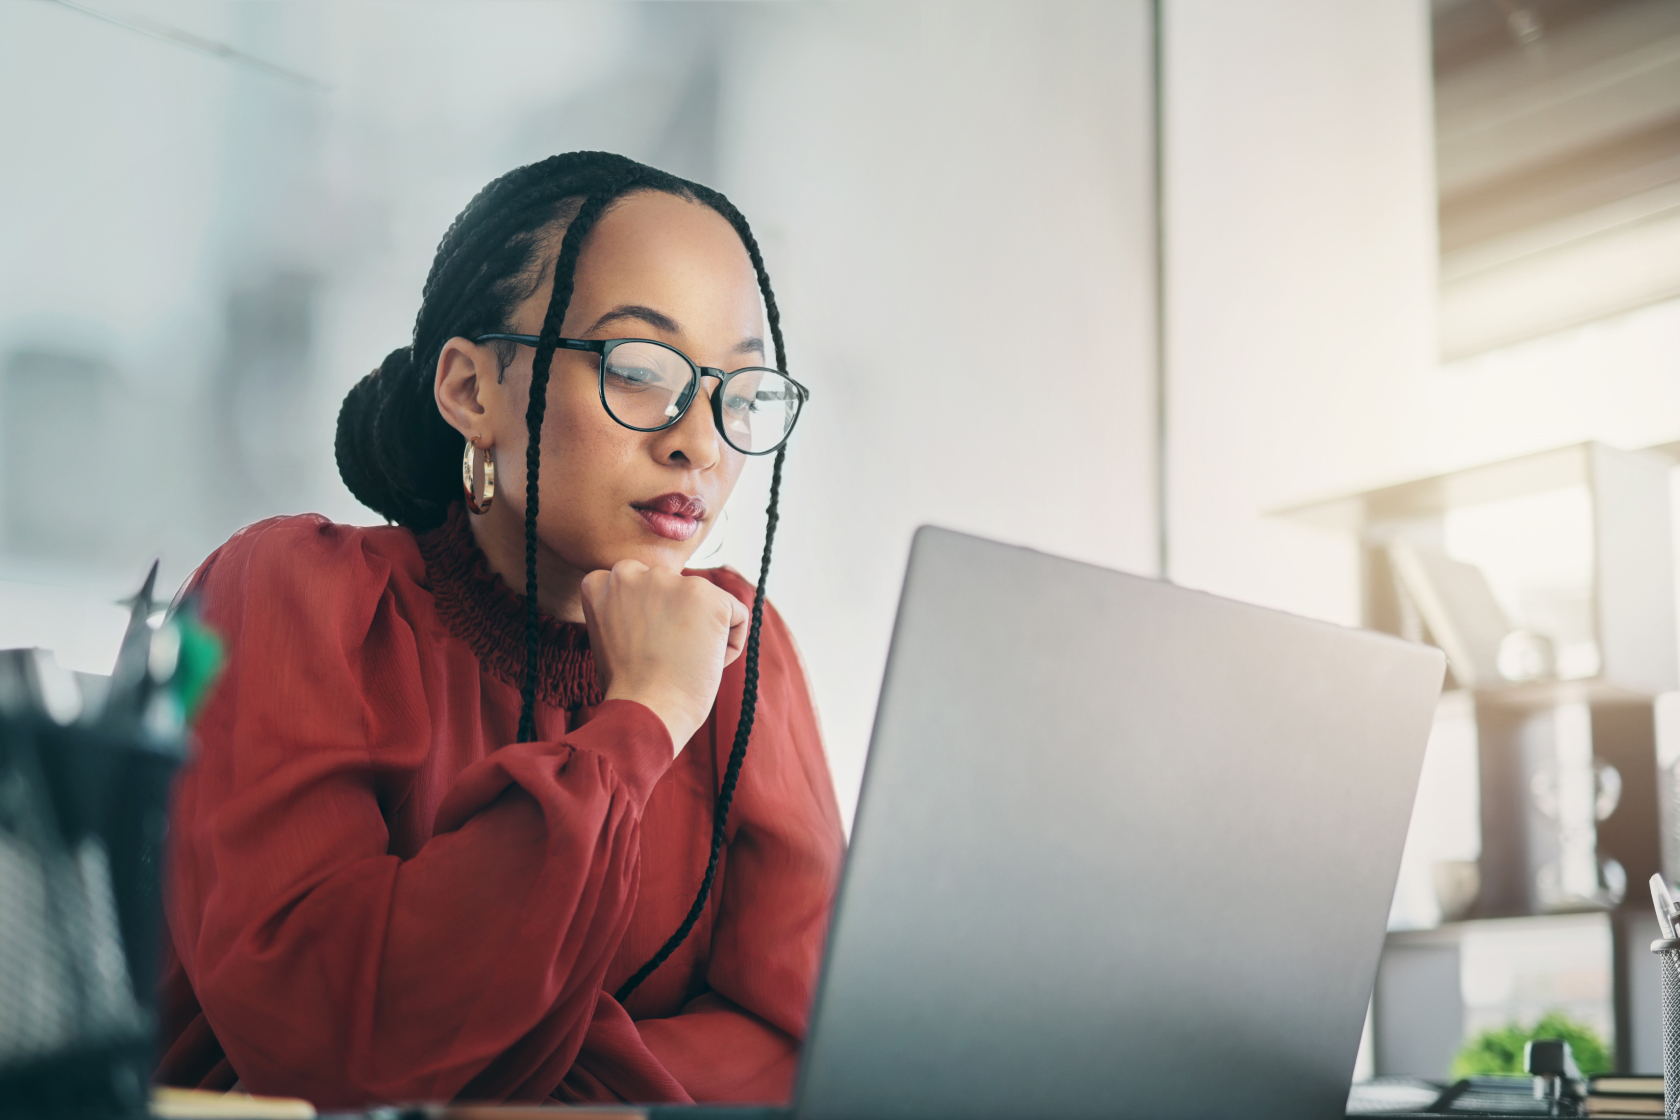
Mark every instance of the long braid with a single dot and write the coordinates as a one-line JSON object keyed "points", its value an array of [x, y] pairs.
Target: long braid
{"points": [[749, 693], [737, 752], [565, 270]]}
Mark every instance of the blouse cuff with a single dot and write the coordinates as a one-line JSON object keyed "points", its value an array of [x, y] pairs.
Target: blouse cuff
{"points": [[632, 739]]}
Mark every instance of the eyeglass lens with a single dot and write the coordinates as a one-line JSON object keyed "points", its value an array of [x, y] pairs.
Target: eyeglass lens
{"points": [[645, 386]]}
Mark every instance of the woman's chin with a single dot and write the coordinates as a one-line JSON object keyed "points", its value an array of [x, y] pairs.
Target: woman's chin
{"points": [[660, 553]]}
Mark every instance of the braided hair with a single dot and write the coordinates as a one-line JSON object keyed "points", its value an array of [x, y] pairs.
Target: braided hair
{"points": [[397, 454]]}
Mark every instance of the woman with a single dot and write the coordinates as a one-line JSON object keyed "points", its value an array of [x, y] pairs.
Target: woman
{"points": [[444, 841]]}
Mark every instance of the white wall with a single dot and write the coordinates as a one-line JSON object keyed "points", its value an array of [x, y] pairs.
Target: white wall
{"points": [[1300, 280], [955, 203], [147, 181]]}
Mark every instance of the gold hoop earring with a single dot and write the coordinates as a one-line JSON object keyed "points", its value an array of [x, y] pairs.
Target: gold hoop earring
{"points": [[478, 501]]}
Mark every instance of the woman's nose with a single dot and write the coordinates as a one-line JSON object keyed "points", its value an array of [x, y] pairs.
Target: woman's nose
{"points": [[693, 441]]}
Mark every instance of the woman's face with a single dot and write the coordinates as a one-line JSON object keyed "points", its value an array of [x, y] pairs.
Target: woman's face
{"points": [[655, 266]]}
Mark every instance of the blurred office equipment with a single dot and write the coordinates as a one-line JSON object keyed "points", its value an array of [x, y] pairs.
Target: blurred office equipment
{"points": [[1439, 988], [1626, 1096], [84, 780], [1551, 1084], [54, 404], [1548, 580]]}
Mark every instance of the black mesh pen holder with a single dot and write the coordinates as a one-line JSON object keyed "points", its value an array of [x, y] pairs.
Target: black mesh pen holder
{"points": [[1668, 963], [82, 811]]}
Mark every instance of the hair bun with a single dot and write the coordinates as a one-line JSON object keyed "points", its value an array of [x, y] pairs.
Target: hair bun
{"points": [[379, 457]]}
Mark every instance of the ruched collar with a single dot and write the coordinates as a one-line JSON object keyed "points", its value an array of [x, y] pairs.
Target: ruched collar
{"points": [[489, 616]]}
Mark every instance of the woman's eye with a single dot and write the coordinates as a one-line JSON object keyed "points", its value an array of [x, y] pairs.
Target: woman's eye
{"points": [[760, 400], [635, 377]]}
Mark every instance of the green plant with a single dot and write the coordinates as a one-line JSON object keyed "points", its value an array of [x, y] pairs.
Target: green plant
{"points": [[1500, 1050]]}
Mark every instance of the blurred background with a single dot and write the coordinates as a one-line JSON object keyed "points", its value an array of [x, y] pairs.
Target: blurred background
{"points": [[1296, 252]]}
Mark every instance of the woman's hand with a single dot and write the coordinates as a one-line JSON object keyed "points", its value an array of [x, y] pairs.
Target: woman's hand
{"points": [[661, 638]]}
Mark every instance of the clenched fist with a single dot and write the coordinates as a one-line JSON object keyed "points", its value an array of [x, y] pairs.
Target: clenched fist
{"points": [[662, 639]]}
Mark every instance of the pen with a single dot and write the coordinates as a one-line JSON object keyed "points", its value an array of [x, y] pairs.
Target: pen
{"points": [[130, 682], [1663, 899]]}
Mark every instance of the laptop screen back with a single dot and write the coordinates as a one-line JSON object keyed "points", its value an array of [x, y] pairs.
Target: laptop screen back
{"points": [[1123, 849]]}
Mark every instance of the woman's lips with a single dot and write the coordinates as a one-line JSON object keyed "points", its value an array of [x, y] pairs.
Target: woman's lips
{"points": [[675, 517]]}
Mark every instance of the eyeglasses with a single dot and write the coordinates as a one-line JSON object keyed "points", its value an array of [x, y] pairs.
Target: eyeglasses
{"points": [[647, 386]]}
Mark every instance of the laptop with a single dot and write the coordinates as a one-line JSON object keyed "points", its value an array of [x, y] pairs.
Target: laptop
{"points": [[1123, 850]]}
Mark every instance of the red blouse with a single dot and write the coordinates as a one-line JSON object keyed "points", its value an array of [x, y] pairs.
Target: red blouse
{"points": [[374, 894]]}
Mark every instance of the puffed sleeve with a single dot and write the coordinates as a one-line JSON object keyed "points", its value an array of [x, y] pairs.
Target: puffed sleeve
{"points": [[739, 1041], [329, 968]]}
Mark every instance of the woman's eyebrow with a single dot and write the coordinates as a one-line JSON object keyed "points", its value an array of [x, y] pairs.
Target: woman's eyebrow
{"points": [[648, 315], [662, 322]]}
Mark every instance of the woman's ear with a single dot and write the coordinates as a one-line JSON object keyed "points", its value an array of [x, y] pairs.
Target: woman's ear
{"points": [[466, 375]]}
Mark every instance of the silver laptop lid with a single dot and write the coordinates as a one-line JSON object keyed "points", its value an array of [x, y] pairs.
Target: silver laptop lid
{"points": [[1123, 850]]}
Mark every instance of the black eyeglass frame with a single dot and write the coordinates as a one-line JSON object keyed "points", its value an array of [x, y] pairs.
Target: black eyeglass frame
{"points": [[605, 346]]}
